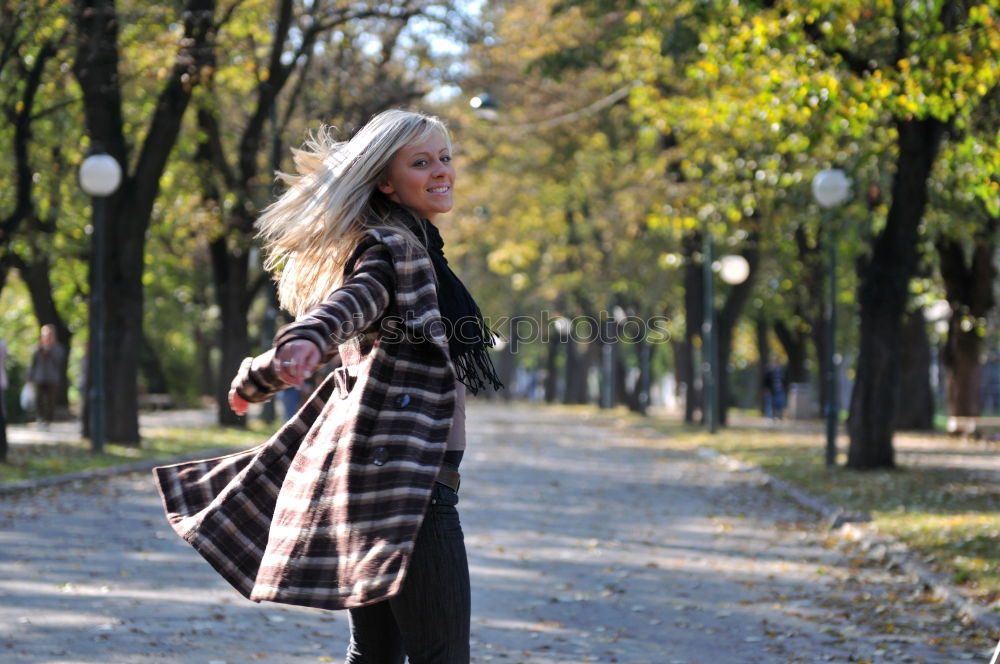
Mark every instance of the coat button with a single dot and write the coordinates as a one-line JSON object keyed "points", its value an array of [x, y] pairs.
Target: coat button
{"points": [[403, 400], [380, 456]]}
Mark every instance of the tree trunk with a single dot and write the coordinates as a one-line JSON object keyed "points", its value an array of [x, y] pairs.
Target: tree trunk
{"points": [[820, 341], [809, 308], [794, 343], [575, 373], [204, 343], [969, 287], [633, 399], [644, 354], [230, 269], [684, 371], [3, 397], [590, 356], [694, 313], [507, 370], [916, 411], [963, 371], [3, 428], [36, 275], [883, 296], [129, 210], [123, 343], [609, 392], [726, 320], [763, 358], [152, 369], [551, 385]]}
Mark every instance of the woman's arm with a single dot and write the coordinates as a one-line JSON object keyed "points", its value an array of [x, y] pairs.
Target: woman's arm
{"points": [[304, 344], [353, 308]]}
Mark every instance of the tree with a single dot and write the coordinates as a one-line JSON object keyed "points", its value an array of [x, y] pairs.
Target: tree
{"points": [[969, 280], [955, 45], [306, 52], [99, 72], [34, 101], [812, 79], [561, 180], [964, 222]]}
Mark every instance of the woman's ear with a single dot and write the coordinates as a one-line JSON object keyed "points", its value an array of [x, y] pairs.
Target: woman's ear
{"points": [[386, 187]]}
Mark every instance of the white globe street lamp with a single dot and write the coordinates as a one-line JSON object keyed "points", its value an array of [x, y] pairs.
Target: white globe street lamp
{"points": [[830, 188], [734, 269], [485, 106], [100, 176]]}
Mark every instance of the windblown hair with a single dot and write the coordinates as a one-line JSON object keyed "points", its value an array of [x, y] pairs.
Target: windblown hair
{"points": [[310, 232]]}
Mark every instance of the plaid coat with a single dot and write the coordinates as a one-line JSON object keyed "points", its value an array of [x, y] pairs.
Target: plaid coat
{"points": [[326, 512]]}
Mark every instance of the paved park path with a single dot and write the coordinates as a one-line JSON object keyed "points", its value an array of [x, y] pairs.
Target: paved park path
{"points": [[589, 541]]}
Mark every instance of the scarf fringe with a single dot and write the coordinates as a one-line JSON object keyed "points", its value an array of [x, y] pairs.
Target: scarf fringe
{"points": [[474, 368]]}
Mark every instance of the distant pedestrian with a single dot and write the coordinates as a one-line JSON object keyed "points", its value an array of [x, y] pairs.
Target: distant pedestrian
{"points": [[351, 505], [45, 373], [775, 390]]}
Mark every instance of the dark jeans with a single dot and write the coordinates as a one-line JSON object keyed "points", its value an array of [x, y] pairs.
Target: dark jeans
{"points": [[429, 619]]}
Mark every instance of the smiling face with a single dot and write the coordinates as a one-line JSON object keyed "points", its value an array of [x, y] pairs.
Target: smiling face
{"points": [[421, 176]]}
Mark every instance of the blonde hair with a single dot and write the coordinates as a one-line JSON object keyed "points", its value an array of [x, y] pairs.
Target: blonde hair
{"points": [[309, 233]]}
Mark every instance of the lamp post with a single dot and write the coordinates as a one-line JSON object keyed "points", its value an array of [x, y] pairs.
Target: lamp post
{"points": [[608, 338], [830, 188], [100, 176]]}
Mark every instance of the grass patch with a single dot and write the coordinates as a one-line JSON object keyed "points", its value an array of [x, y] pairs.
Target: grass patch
{"points": [[28, 462], [948, 515]]}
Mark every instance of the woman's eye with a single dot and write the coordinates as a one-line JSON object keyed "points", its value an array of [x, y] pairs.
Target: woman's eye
{"points": [[420, 162], [446, 158]]}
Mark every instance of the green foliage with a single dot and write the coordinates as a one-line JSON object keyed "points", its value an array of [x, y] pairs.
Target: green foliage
{"points": [[736, 106], [343, 78]]}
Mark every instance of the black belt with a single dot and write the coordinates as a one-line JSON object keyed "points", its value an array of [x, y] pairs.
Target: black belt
{"points": [[449, 477]]}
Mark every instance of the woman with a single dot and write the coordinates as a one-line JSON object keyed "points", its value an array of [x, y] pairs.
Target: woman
{"points": [[45, 373], [352, 503]]}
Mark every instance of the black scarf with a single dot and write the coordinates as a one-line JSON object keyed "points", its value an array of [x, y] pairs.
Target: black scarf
{"points": [[468, 335]]}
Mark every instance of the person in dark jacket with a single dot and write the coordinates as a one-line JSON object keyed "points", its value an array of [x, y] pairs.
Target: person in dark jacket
{"points": [[45, 373], [775, 389], [352, 504]]}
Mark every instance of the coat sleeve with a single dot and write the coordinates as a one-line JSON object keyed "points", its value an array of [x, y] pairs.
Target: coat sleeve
{"points": [[355, 307]]}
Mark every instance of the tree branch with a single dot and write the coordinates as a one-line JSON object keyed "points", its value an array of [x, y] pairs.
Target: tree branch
{"points": [[96, 68], [902, 40], [193, 61], [227, 14], [209, 123], [22, 120]]}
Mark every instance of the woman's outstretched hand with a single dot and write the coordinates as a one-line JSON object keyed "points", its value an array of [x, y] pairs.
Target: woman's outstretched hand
{"points": [[295, 361], [237, 403]]}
